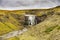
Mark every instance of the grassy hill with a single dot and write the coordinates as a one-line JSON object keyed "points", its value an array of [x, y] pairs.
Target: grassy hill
{"points": [[47, 29]]}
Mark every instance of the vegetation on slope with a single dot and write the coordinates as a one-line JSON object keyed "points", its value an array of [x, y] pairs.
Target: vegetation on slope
{"points": [[50, 25]]}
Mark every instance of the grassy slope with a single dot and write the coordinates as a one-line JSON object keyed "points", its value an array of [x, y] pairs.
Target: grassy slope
{"points": [[49, 29], [46, 30], [43, 31]]}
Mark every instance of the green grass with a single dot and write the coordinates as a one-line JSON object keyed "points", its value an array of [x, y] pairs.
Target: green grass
{"points": [[58, 28], [50, 29]]}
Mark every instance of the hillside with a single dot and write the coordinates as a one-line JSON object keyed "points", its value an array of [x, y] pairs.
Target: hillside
{"points": [[47, 29]]}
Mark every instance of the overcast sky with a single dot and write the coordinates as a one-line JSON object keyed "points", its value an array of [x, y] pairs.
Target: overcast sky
{"points": [[28, 4]]}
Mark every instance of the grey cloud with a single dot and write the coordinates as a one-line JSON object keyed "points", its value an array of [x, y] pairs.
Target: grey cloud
{"points": [[29, 3]]}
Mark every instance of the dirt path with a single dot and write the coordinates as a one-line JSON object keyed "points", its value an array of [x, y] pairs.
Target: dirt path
{"points": [[14, 33]]}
